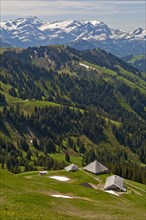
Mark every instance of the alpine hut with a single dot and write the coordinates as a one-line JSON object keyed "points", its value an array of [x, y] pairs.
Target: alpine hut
{"points": [[114, 183], [71, 167], [96, 168], [43, 172]]}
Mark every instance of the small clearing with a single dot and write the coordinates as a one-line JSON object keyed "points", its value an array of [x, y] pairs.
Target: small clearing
{"points": [[60, 178]]}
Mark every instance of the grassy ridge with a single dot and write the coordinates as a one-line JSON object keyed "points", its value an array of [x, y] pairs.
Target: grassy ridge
{"points": [[137, 61], [28, 196], [127, 77]]}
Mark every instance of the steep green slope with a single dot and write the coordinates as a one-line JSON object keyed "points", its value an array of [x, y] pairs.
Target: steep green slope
{"points": [[57, 74], [28, 140]]}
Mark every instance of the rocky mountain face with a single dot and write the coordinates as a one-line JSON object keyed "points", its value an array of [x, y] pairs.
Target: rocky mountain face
{"points": [[31, 31]]}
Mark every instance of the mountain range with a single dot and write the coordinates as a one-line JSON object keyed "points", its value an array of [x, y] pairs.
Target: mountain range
{"points": [[31, 31]]}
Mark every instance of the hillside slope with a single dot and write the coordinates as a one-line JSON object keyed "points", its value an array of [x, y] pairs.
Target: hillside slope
{"points": [[138, 61], [61, 74], [57, 102], [29, 196]]}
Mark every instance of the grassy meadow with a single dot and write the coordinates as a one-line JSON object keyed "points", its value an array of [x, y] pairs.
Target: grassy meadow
{"points": [[27, 196]]}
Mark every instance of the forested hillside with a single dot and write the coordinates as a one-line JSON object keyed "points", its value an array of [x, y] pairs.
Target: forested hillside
{"points": [[60, 105], [138, 61]]}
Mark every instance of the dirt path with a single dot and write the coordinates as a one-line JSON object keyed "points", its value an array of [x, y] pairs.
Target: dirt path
{"points": [[135, 191], [129, 184]]}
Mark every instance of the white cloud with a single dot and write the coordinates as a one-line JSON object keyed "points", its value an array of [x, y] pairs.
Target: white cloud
{"points": [[42, 8], [115, 13], [48, 8]]}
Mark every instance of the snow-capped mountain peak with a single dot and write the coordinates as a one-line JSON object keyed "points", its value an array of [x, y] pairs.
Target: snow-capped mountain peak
{"points": [[63, 25], [21, 21], [95, 22], [31, 31]]}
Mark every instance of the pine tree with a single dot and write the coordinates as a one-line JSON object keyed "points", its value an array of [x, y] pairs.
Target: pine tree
{"points": [[28, 155], [67, 157]]}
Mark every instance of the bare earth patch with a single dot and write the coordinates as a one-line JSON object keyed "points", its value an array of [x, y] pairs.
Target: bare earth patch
{"points": [[28, 177]]}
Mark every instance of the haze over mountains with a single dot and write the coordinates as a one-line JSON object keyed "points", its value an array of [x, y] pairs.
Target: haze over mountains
{"points": [[31, 31]]}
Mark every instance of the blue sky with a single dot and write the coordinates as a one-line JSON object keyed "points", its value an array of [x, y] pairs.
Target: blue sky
{"points": [[127, 15]]}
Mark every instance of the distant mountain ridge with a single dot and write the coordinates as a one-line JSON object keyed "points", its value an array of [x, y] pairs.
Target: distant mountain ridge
{"points": [[31, 31]]}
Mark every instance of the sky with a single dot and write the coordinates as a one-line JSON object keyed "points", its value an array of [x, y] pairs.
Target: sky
{"points": [[127, 15]]}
